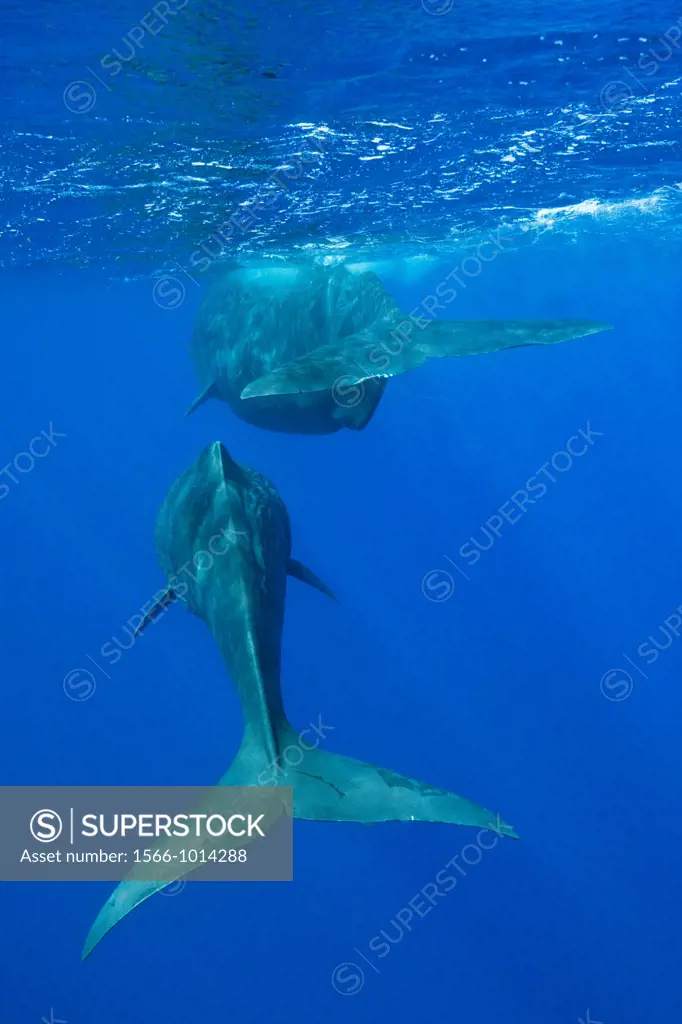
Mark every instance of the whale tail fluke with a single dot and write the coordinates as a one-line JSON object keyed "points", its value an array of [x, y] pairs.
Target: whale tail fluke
{"points": [[392, 349], [326, 787], [331, 787], [249, 768], [126, 896]]}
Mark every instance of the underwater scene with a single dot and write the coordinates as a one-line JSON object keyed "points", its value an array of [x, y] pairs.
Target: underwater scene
{"points": [[340, 502]]}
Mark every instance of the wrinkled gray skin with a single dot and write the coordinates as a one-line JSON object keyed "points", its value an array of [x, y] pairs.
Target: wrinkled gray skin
{"points": [[258, 318], [241, 598], [309, 349]]}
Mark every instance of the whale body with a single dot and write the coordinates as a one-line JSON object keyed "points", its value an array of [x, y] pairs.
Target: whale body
{"points": [[240, 594], [306, 348]]}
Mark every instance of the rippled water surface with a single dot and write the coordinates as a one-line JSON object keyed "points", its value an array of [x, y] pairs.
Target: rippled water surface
{"points": [[399, 126]]}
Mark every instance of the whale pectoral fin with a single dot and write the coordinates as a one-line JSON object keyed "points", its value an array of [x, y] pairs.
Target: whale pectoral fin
{"points": [[160, 606], [328, 368], [210, 392], [331, 787], [392, 350], [306, 575]]}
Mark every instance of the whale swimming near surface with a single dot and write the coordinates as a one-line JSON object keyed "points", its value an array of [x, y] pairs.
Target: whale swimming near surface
{"points": [[241, 597], [308, 349]]}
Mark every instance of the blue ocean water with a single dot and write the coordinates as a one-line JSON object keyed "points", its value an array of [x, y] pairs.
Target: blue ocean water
{"points": [[540, 678]]}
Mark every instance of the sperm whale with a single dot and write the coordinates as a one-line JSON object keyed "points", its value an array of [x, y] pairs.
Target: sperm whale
{"points": [[309, 349], [241, 597]]}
